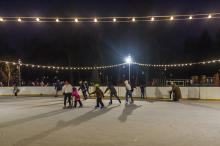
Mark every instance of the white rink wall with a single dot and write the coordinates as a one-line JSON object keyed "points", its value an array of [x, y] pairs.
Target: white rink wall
{"points": [[152, 92]]}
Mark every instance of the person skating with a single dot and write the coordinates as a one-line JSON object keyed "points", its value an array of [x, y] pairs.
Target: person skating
{"points": [[16, 89], [142, 91], [176, 92], [128, 92], [99, 95], [67, 91], [87, 86], [76, 96], [113, 93], [58, 87], [83, 89]]}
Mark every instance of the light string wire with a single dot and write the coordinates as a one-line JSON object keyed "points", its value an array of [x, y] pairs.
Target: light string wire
{"points": [[181, 17], [52, 67]]}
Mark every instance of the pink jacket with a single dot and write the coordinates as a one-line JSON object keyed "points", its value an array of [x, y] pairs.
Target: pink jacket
{"points": [[76, 95]]}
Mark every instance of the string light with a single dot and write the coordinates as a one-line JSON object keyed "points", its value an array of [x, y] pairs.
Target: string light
{"points": [[112, 66], [171, 18], [19, 19], [196, 16], [133, 19], [38, 19], [152, 18], [95, 20], [76, 20]]}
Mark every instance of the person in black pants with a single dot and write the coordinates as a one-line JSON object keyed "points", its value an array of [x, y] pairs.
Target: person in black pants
{"points": [[67, 91], [113, 93], [99, 96], [129, 91], [84, 89], [58, 87], [142, 91]]}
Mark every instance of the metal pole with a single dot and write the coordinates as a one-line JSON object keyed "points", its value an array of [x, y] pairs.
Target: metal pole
{"points": [[129, 72], [19, 72]]}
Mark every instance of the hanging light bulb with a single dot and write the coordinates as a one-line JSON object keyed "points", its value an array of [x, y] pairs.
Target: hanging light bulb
{"points": [[133, 19], [38, 19], [171, 18], [95, 20], [114, 20], [209, 16], [76, 20], [19, 20], [152, 18], [57, 20], [190, 17]]}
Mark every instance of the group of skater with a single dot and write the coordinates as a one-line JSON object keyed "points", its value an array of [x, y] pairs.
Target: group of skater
{"points": [[72, 96]]}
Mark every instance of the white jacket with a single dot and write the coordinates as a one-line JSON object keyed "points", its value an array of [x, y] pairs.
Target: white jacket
{"points": [[127, 85], [67, 88]]}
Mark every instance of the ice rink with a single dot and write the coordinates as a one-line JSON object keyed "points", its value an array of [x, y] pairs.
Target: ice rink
{"points": [[41, 121]]}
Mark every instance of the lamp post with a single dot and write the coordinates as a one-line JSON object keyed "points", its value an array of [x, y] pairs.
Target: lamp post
{"points": [[128, 60], [19, 72]]}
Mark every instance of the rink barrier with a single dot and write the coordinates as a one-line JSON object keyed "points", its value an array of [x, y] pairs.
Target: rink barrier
{"points": [[151, 92]]}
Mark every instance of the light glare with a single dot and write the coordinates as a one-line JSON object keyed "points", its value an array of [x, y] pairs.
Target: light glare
{"points": [[128, 59]]}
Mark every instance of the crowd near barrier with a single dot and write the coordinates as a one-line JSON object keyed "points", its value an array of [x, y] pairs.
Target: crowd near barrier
{"points": [[150, 92]]}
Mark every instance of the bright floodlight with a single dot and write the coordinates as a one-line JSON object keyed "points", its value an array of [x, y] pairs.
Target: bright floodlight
{"points": [[1, 19], [209, 16], [128, 59], [57, 20], [76, 20]]}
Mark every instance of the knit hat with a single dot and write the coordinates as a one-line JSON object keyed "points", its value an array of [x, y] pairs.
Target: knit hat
{"points": [[97, 85]]}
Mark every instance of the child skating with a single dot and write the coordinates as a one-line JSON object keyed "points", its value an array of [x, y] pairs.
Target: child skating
{"points": [[76, 97], [99, 95]]}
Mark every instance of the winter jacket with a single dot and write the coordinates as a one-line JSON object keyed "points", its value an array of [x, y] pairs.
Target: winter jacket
{"points": [[111, 88], [67, 88], [127, 86], [98, 92], [176, 90], [76, 95]]}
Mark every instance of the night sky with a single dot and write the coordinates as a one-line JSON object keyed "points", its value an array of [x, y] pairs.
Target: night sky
{"points": [[88, 44]]}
